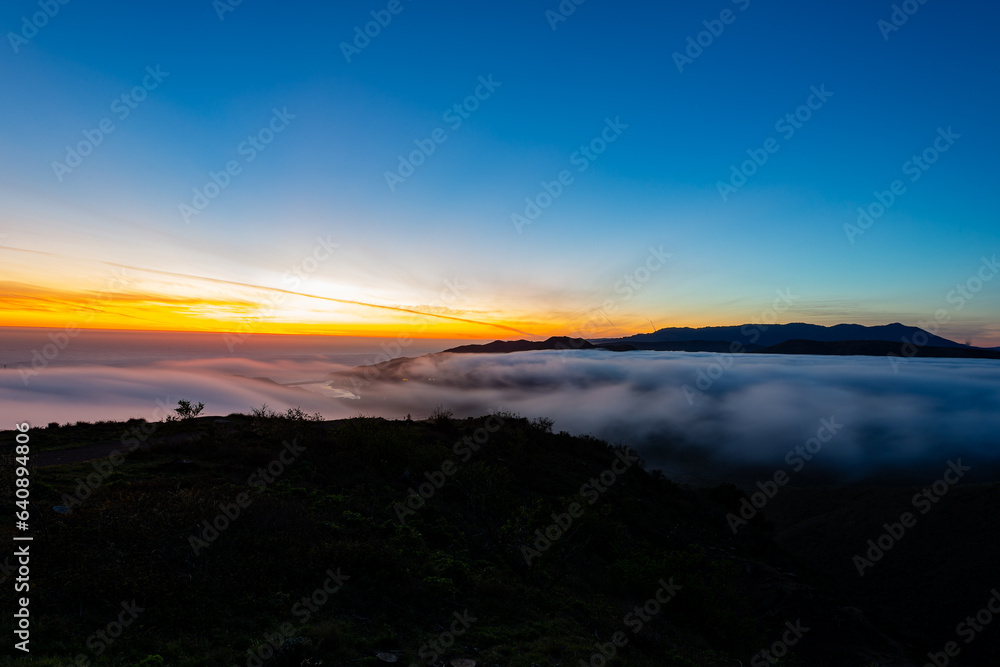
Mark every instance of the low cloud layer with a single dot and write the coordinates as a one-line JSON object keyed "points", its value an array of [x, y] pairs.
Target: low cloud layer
{"points": [[676, 408], [691, 406], [90, 393]]}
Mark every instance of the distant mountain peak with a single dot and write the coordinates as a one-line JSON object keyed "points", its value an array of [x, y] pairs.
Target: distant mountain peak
{"points": [[775, 334]]}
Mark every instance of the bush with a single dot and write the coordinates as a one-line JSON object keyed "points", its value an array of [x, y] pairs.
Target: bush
{"points": [[543, 424], [441, 416], [185, 410]]}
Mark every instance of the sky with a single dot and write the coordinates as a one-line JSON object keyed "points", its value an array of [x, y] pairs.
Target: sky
{"points": [[498, 169]]}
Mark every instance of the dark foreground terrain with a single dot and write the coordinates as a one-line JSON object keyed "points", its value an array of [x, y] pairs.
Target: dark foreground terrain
{"points": [[282, 540]]}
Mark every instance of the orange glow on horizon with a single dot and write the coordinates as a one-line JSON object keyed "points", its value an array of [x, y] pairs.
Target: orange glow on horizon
{"points": [[182, 324], [131, 312], [151, 300], [32, 307]]}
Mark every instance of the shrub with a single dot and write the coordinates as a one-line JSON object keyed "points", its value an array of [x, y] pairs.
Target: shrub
{"points": [[185, 410], [441, 416]]}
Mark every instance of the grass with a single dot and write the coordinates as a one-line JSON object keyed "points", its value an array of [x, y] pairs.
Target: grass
{"points": [[336, 506]]}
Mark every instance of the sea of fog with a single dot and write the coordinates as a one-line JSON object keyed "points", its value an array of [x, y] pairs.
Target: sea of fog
{"points": [[824, 417]]}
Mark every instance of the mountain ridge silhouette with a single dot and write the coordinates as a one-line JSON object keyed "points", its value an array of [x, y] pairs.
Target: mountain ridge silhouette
{"points": [[766, 335]]}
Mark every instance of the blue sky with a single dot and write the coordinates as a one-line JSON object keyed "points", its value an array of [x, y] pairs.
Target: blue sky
{"points": [[655, 185]]}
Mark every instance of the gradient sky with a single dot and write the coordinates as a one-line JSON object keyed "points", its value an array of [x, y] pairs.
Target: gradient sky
{"points": [[106, 244]]}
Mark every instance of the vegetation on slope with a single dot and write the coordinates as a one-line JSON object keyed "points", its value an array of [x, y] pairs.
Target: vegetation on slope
{"points": [[277, 540]]}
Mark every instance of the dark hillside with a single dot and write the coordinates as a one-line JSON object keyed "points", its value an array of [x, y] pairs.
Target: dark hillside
{"points": [[299, 504]]}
